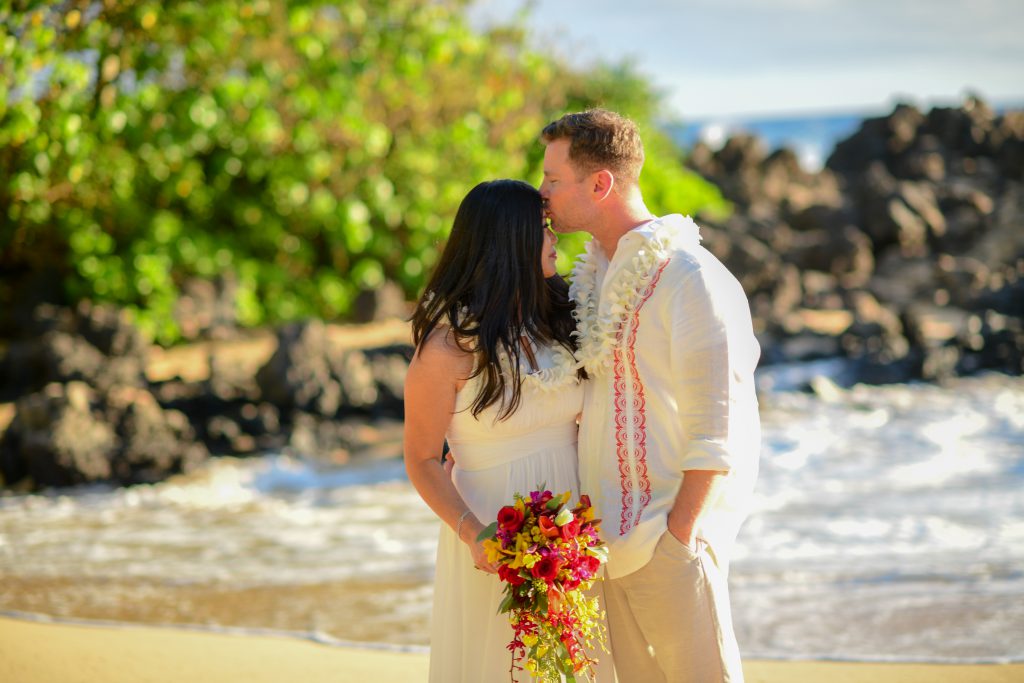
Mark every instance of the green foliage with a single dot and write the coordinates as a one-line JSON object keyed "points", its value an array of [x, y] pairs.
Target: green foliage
{"points": [[312, 149]]}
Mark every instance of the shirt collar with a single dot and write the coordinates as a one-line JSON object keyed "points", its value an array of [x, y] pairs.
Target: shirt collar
{"points": [[642, 232], [673, 226]]}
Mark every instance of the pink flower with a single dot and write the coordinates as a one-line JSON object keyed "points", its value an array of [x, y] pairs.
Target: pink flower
{"points": [[571, 530], [588, 567]]}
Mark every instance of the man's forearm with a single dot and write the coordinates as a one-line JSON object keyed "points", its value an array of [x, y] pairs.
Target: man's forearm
{"points": [[697, 493]]}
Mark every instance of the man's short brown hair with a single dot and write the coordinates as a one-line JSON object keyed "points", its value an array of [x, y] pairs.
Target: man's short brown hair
{"points": [[600, 139]]}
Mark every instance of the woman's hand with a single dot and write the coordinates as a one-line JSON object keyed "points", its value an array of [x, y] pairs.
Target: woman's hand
{"points": [[471, 528], [480, 558], [449, 463]]}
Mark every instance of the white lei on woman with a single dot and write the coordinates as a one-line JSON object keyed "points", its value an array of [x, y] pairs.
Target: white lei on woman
{"points": [[598, 326], [561, 372]]}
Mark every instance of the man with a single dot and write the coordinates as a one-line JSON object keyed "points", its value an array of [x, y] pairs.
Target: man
{"points": [[670, 434]]}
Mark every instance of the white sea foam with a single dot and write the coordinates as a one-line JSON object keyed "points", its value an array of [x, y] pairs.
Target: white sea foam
{"points": [[887, 523]]}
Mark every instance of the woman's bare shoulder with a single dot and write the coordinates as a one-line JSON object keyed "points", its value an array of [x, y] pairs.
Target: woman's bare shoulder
{"points": [[442, 351]]}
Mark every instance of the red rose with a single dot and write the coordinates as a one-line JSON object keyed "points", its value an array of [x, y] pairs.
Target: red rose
{"points": [[548, 526], [547, 568], [570, 530], [509, 575], [510, 518]]}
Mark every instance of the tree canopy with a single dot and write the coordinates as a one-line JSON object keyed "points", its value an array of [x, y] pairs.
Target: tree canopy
{"points": [[310, 149]]}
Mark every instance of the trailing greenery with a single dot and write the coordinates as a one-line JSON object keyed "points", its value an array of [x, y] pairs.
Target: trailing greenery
{"points": [[310, 149]]}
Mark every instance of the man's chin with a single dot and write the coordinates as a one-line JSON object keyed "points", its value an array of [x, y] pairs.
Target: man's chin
{"points": [[560, 227]]}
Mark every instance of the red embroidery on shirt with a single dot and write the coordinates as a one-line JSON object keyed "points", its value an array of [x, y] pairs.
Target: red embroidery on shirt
{"points": [[637, 427]]}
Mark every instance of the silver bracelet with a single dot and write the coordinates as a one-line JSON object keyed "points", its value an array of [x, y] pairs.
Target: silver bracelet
{"points": [[458, 527]]}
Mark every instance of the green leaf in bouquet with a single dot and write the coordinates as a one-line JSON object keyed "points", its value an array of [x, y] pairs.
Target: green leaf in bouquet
{"points": [[562, 668], [553, 504], [506, 604], [542, 603], [488, 532]]}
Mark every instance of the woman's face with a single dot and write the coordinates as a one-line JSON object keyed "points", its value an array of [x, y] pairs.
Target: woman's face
{"points": [[548, 255]]}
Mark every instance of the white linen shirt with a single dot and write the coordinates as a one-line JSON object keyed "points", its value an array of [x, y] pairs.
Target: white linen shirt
{"points": [[678, 395]]}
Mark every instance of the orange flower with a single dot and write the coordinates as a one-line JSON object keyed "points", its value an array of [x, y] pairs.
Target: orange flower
{"points": [[554, 601], [548, 526]]}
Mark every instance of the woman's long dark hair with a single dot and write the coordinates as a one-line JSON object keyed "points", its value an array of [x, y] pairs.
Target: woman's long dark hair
{"points": [[490, 289]]}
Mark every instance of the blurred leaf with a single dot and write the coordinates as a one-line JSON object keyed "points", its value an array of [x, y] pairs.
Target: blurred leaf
{"points": [[312, 148]]}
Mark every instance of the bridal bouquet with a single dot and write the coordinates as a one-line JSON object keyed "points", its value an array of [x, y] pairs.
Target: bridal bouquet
{"points": [[548, 556]]}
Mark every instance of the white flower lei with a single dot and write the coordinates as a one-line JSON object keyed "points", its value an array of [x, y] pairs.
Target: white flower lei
{"points": [[598, 327], [562, 373]]}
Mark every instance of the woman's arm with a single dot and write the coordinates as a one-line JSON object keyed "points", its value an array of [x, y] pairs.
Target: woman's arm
{"points": [[438, 370]]}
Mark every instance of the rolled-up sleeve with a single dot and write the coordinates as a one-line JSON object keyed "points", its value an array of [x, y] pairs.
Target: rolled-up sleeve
{"points": [[714, 353]]}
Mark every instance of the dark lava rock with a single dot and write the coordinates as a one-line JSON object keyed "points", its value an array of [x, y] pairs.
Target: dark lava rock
{"points": [[298, 375], [57, 439]]}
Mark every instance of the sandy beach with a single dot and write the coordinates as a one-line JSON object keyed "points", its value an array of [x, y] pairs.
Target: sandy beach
{"points": [[34, 651]]}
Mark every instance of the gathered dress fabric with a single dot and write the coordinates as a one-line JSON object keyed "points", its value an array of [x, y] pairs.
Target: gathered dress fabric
{"points": [[532, 449]]}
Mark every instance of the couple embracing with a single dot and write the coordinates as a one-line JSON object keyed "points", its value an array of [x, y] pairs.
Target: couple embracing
{"points": [[634, 386]]}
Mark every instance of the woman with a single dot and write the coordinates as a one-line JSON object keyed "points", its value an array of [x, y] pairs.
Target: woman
{"points": [[494, 373]]}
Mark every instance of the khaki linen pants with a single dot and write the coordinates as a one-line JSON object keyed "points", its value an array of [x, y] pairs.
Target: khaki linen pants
{"points": [[670, 621]]}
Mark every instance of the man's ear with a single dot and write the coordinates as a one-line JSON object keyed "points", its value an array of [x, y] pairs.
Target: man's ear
{"points": [[603, 184]]}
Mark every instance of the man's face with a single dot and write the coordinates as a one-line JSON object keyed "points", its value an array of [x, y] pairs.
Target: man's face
{"points": [[566, 200]]}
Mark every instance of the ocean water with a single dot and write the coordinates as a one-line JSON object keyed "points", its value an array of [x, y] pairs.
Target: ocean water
{"points": [[812, 137], [888, 523]]}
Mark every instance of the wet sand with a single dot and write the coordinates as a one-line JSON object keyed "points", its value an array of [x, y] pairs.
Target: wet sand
{"points": [[50, 652]]}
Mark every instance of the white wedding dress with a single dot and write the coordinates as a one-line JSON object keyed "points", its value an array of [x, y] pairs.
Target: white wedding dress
{"points": [[534, 447]]}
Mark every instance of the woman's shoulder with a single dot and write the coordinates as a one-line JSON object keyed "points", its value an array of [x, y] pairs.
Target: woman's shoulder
{"points": [[443, 351]]}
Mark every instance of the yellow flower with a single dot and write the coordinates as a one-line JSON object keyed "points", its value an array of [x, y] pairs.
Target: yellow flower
{"points": [[530, 639], [523, 558], [492, 547]]}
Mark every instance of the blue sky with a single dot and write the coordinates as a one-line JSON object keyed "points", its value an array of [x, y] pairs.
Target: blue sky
{"points": [[740, 57]]}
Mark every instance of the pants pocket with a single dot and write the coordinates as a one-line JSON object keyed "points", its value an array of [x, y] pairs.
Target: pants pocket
{"points": [[675, 547]]}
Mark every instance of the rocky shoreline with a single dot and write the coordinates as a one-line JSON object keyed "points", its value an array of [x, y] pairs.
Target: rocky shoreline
{"points": [[904, 256], [90, 401]]}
